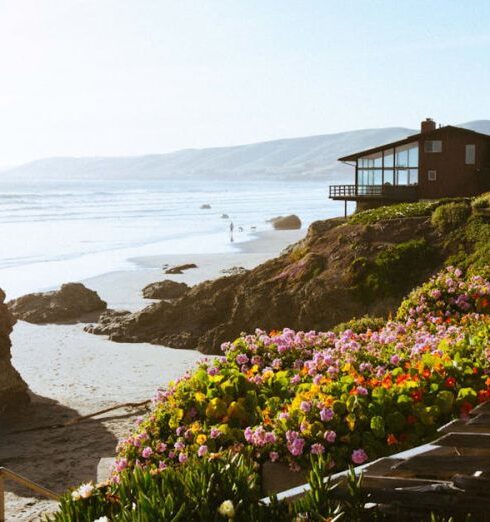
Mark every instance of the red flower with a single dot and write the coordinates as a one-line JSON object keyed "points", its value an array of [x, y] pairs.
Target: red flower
{"points": [[416, 395], [450, 382], [465, 409], [391, 440]]}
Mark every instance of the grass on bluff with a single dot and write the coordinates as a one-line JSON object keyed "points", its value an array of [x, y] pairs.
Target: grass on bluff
{"points": [[401, 210]]}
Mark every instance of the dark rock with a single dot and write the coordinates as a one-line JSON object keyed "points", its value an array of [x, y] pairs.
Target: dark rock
{"points": [[225, 216], [71, 302], [307, 288], [13, 390], [234, 270], [180, 268], [165, 290], [291, 222], [206, 206]]}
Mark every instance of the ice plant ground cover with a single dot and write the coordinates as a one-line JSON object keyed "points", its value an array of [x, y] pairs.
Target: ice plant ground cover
{"points": [[353, 397], [344, 398]]}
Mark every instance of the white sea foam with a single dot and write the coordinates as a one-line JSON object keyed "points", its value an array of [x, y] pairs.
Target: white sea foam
{"points": [[53, 233]]}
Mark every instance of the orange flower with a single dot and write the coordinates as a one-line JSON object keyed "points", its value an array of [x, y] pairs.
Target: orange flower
{"points": [[391, 440]]}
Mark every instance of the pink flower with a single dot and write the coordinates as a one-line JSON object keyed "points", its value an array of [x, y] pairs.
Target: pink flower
{"points": [[202, 451], [317, 449], [241, 358], [182, 458], [305, 406], [296, 446], [394, 359], [147, 452], [121, 464], [359, 456], [330, 436], [214, 433], [273, 456], [326, 414]]}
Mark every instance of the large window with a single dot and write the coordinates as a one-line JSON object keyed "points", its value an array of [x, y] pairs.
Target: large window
{"points": [[396, 166]]}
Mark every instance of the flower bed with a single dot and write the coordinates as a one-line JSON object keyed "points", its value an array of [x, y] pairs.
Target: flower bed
{"points": [[352, 396], [302, 399]]}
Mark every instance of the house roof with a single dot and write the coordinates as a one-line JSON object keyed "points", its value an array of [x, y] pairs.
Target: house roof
{"points": [[409, 139]]}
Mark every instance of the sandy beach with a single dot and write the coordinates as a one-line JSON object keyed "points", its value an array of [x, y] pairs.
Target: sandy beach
{"points": [[71, 373]]}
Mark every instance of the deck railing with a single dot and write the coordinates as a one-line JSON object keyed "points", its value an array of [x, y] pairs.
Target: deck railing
{"points": [[19, 479], [392, 192]]}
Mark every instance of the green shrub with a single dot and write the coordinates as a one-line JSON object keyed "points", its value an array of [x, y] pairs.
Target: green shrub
{"points": [[396, 269], [481, 202], [361, 325], [473, 241], [449, 216]]}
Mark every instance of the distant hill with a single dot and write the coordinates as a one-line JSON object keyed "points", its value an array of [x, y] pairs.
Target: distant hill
{"points": [[313, 157]]}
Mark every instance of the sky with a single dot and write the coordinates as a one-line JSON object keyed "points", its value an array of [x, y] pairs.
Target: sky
{"points": [[130, 77]]}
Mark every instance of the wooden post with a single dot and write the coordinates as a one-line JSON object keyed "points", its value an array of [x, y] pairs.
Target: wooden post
{"points": [[2, 498], [345, 208]]}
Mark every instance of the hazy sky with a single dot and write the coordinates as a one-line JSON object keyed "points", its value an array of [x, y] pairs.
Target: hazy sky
{"points": [[124, 77]]}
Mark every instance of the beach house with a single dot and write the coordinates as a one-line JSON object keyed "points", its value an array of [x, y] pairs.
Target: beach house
{"points": [[437, 162]]}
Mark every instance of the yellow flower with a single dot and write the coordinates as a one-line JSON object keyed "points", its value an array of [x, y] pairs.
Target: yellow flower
{"points": [[199, 396], [195, 427], [201, 439]]}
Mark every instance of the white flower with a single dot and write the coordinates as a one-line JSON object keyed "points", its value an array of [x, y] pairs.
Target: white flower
{"points": [[102, 519], [84, 491], [227, 509]]}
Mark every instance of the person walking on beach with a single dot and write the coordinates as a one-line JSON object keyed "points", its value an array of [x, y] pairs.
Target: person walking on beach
{"points": [[231, 231]]}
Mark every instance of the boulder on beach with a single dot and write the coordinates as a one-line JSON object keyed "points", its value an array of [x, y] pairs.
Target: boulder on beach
{"points": [[206, 206], [309, 287], [70, 303], [234, 270], [179, 269], [13, 390], [291, 222], [167, 289]]}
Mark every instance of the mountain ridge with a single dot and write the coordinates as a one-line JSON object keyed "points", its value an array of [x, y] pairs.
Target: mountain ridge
{"points": [[302, 158]]}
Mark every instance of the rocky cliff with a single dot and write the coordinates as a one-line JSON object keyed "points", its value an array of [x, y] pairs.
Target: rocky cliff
{"points": [[13, 390], [331, 276]]}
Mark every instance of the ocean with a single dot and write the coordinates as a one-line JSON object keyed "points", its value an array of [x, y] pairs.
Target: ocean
{"points": [[55, 232]]}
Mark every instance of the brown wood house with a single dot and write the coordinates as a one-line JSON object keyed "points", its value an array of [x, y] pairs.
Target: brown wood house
{"points": [[435, 163]]}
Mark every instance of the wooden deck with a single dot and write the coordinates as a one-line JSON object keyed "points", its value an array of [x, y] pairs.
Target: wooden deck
{"points": [[451, 477], [395, 193]]}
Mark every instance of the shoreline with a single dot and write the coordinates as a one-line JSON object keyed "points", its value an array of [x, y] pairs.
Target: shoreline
{"points": [[72, 373]]}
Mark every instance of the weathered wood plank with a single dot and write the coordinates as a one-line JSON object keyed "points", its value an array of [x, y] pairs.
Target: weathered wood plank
{"points": [[484, 407], [475, 485], [480, 418], [441, 466], [465, 440]]}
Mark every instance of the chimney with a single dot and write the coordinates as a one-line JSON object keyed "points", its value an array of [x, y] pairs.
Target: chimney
{"points": [[428, 125]]}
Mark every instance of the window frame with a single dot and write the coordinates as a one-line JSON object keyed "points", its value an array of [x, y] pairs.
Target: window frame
{"points": [[466, 162], [432, 175]]}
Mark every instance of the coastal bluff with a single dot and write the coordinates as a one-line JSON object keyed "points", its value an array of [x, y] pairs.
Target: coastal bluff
{"points": [[325, 279], [13, 390]]}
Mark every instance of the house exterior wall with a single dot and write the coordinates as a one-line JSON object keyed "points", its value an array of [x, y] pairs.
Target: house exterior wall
{"points": [[453, 177]]}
